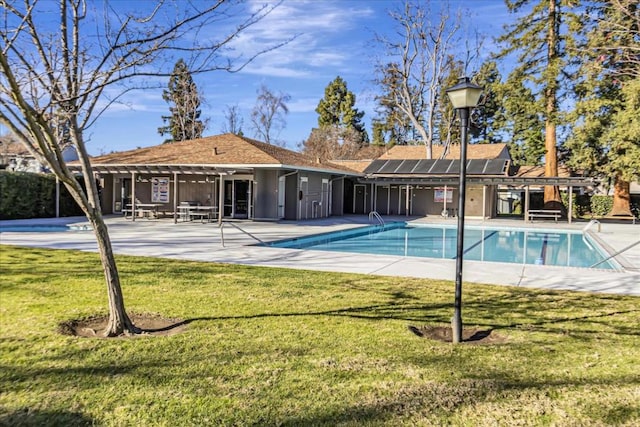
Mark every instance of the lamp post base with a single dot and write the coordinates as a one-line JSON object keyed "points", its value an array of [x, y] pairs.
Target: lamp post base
{"points": [[456, 329]]}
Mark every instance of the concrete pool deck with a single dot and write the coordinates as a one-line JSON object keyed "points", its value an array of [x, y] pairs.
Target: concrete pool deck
{"points": [[202, 242]]}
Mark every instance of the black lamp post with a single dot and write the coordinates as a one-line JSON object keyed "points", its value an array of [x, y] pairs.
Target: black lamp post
{"points": [[464, 96]]}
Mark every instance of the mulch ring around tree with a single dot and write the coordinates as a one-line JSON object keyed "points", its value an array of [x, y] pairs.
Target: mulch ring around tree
{"points": [[471, 336], [151, 325]]}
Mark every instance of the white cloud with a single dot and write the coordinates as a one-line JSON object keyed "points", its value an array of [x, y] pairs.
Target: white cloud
{"points": [[316, 28]]}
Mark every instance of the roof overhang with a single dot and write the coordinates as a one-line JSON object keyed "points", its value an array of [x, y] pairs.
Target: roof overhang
{"points": [[169, 169], [483, 180]]}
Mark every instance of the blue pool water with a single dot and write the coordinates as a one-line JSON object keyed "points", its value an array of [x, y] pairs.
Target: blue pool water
{"points": [[43, 228], [519, 246]]}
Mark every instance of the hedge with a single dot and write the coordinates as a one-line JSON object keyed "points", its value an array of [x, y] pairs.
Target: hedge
{"points": [[30, 195]]}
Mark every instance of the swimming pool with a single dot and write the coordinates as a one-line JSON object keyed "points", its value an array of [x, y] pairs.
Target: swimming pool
{"points": [[43, 228], [511, 245]]}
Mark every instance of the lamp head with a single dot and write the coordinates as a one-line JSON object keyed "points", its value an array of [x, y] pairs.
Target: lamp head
{"points": [[464, 94]]}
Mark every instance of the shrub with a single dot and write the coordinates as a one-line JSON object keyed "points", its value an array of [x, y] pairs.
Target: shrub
{"points": [[30, 195], [601, 205]]}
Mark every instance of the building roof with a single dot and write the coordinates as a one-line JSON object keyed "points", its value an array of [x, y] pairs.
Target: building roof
{"points": [[226, 150], [474, 151], [355, 165], [528, 171]]}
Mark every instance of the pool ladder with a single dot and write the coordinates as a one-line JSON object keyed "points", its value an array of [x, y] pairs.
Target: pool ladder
{"points": [[221, 226], [376, 215], [591, 223]]}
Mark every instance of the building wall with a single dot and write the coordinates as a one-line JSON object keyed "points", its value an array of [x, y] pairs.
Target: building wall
{"points": [[313, 196], [266, 194]]}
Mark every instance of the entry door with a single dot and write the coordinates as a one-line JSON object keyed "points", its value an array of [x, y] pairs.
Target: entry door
{"points": [[304, 188], [324, 199], [402, 202], [359, 199], [241, 204]]}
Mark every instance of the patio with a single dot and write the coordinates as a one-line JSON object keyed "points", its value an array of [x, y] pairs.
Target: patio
{"points": [[202, 242]]}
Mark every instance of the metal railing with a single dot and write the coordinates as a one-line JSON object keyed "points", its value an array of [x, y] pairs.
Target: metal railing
{"points": [[588, 226], [376, 215], [616, 254], [221, 226]]}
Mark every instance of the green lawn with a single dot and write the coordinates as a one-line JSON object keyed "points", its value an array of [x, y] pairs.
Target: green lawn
{"points": [[284, 347]]}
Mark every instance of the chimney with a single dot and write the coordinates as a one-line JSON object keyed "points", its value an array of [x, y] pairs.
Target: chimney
{"points": [[215, 151]]}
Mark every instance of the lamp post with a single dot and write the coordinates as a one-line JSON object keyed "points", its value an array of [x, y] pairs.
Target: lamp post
{"points": [[464, 96]]}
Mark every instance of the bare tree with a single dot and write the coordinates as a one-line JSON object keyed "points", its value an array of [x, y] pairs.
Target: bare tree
{"points": [[268, 115], [416, 60], [332, 143], [75, 66], [232, 120]]}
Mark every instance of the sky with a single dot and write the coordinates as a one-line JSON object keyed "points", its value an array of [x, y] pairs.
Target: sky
{"points": [[333, 37]]}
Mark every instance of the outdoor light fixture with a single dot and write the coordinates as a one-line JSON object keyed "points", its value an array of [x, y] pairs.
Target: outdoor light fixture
{"points": [[464, 96]]}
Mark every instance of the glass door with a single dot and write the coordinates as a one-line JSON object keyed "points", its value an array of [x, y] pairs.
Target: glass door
{"points": [[241, 204]]}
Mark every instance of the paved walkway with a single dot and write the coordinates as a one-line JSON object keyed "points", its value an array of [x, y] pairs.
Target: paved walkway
{"points": [[202, 242]]}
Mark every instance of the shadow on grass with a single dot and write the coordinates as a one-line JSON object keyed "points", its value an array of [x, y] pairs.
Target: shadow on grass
{"points": [[426, 313], [31, 417]]}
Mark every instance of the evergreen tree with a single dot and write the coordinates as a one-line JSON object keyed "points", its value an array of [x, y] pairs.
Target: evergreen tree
{"points": [[337, 109], [487, 124], [536, 38], [182, 95], [522, 121], [606, 139]]}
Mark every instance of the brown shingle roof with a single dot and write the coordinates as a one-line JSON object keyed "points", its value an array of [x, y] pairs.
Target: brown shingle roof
{"points": [[527, 171], [355, 165], [226, 149], [474, 151]]}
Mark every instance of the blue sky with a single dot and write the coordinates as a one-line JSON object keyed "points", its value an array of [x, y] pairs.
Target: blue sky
{"points": [[334, 38]]}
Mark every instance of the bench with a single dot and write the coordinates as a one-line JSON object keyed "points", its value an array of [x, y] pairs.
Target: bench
{"points": [[544, 213], [149, 212]]}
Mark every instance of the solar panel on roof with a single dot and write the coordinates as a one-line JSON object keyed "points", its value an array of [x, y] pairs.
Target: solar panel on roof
{"points": [[441, 167], [375, 166], [424, 166], [390, 166], [476, 166], [495, 167], [407, 166]]}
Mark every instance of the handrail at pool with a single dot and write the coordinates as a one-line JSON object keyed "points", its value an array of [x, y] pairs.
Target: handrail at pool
{"points": [[616, 254], [377, 216], [221, 226], [593, 221]]}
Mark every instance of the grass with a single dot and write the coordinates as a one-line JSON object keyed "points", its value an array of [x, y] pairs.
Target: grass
{"points": [[271, 346]]}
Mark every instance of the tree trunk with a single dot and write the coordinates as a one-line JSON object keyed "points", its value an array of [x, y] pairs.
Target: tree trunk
{"points": [[621, 198], [552, 198], [119, 322]]}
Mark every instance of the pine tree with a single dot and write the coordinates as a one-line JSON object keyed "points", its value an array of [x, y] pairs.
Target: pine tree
{"points": [[487, 121], [536, 38], [606, 140], [182, 95], [337, 109]]}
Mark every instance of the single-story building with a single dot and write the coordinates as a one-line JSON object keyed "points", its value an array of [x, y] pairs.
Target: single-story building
{"points": [[228, 176], [233, 176]]}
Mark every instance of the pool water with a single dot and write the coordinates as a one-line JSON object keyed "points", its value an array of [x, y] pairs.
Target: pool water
{"points": [[43, 228], [519, 246]]}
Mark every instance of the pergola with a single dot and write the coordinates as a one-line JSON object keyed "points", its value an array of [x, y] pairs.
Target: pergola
{"points": [[491, 172], [174, 170]]}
